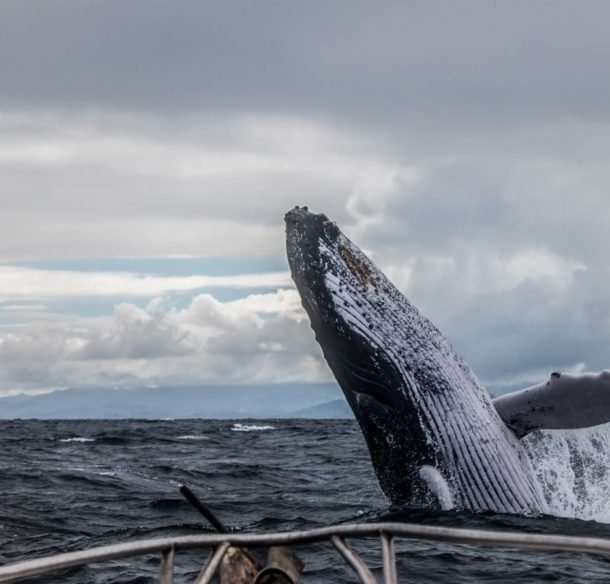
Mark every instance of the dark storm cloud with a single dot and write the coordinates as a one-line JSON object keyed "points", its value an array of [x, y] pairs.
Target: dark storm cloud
{"points": [[388, 62], [535, 328], [506, 205]]}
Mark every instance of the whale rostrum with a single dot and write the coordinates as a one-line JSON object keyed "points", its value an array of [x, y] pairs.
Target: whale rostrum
{"points": [[434, 435]]}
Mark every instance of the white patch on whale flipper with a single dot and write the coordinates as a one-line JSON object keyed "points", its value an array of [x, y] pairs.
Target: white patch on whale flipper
{"points": [[437, 485]]}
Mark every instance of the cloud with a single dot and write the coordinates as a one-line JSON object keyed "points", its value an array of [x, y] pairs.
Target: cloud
{"points": [[508, 205], [88, 186], [541, 325], [350, 62], [463, 145], [260, 338], [23, 283]]}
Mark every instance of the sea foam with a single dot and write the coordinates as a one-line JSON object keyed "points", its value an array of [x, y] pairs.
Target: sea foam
{"points": [[250, 428], [572, 468]]}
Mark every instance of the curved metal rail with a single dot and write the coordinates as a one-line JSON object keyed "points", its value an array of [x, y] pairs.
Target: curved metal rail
{"points": [[167, 547]]}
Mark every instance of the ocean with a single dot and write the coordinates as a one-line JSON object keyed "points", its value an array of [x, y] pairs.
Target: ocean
{"points": [[71, 485]]}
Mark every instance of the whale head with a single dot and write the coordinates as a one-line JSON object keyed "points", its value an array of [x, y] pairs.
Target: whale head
{"points": [[350, 304]]}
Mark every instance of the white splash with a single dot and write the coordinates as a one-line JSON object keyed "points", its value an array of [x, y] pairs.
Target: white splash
{"points": [[250, 428], [77, 439], [573, 470], [192, 437]]}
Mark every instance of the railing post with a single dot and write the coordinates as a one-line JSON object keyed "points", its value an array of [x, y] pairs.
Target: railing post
{"points": [[167, 566], [353, 560], [389, 560], [212, 564]]}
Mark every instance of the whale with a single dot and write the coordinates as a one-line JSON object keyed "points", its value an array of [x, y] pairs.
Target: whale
{"points": [[435, 437]]}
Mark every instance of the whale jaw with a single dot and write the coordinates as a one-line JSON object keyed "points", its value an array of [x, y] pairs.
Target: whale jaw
{"points": [[343, 295]]}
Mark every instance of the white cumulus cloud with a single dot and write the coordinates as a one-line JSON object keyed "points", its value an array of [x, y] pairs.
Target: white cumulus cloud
{"points": [[261, 338]]}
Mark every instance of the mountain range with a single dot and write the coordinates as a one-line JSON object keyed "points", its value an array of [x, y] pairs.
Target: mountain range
{"points": [[316, 401]]}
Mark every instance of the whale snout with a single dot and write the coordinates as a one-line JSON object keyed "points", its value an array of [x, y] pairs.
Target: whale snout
{"points": [[299, 217], [312, 225]]}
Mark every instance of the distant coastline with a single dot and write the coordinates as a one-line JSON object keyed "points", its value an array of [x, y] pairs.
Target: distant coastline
{"points": [[311, 401]]}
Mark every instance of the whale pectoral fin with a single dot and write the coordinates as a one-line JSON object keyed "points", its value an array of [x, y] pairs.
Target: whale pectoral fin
{"points": [[563, 402], [437, 485]]}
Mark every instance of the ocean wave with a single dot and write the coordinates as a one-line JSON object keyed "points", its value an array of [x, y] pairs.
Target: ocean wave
{"points": [[192, 437], [77, 439], [298, 477], [250, 428]]}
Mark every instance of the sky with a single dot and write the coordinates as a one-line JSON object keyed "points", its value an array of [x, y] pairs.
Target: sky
{"points": [[149, 151]]}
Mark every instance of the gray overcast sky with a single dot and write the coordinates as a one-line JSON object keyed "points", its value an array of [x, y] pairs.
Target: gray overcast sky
{"points": [[463, 144]]}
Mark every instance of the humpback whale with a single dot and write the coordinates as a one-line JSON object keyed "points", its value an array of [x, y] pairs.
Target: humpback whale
{"points": [[435, 437]]}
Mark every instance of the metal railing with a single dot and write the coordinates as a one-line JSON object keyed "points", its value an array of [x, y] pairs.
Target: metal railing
{"points": [[220, 543]]}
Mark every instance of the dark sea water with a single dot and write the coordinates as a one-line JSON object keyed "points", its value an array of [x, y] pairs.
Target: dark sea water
{"points": [[70, 485]]}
